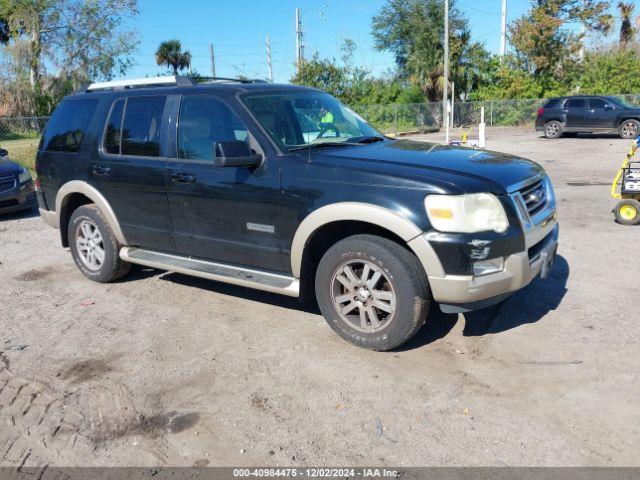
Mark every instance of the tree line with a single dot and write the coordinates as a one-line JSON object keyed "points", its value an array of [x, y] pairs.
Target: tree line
{"points": [[546, 59]]}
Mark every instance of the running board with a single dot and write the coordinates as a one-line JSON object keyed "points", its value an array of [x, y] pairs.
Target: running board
{"points": [[246, 277]]}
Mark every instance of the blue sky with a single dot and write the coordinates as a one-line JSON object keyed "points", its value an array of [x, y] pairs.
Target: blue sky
{"points": [[238, 28]]}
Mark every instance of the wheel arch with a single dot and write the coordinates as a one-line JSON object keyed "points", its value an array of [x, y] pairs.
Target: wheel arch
{"points": [[349, 218], [76, 193]]}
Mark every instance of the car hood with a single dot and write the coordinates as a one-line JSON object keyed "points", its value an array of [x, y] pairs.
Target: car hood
{"points": [[492, 171], [7, 166]]}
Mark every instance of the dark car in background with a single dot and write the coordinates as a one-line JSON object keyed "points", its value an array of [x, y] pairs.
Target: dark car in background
{"points": [[588, 114], [17, 191]]}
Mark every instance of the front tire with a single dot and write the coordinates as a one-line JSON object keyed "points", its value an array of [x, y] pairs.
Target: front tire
{"points": [[627, 212], [553, 129], [629, 129], [372, 292], [94, 246]]}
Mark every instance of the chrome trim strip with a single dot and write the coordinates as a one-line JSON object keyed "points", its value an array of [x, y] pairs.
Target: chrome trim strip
{"points": [[530, 181], [162, 261]]}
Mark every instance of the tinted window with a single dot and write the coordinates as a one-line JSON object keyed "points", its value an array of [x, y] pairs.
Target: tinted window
{"points": [[114, 124], [553, 103], [576, 103], [203, 121], [68, 125], [141, 126], [597, 103]]}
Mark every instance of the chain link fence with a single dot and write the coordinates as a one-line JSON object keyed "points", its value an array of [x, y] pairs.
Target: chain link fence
{"points": [[422, 117]]}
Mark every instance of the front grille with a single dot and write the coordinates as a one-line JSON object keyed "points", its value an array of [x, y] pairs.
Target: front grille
{"points": [[7, 183], [534, 197]]}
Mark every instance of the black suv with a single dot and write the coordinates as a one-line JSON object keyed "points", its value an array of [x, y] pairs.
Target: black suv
{"points": [[282, 188], [588, 114]]}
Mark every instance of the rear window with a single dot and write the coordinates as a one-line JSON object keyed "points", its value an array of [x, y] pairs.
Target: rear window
{"points": [[576, 103], [68, 125], [553, 103]]}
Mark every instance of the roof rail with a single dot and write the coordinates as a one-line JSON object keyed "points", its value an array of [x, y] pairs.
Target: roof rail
{"points": [[226, 79], [141, 82], [176, 80]]}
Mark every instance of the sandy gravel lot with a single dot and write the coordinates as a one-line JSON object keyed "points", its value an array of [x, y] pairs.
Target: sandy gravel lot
{"points": [[164, 369]]}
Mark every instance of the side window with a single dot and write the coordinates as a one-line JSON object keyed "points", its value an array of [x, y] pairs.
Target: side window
{"points": [[597, 103], [203, 121], [112, 135], [141, 126], [576, 103], [68, 126]]}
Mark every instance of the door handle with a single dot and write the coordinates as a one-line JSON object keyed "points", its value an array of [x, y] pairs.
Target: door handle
{"points": [[101, 170], [183, 177]]}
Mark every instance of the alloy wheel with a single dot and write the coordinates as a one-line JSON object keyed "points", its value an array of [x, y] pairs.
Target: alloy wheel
{"points": [[90, 245], [363, 296], [630, 129]]}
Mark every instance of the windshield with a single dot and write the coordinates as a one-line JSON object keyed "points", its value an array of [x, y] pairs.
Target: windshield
{"points": [[298, 118]]}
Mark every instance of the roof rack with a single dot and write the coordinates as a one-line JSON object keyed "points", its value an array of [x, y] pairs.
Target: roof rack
{"points": [[175, 80]]}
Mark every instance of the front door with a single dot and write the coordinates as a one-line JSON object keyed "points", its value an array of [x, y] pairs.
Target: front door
{"points": [[602, 115], [225, 214], [130, 170], [576, 112]]}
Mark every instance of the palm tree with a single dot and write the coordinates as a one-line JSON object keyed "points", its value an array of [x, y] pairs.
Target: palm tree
{"points": [[626, 30], [170, 53]]}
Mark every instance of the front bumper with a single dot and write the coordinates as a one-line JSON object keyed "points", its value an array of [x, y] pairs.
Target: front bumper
{"points": [[22, 197], [460, 293]]}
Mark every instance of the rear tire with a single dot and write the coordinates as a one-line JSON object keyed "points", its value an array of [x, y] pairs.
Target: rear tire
{"points": [[372, 292], [627, 212], [629, 129], [553, 129], [94, 246]]}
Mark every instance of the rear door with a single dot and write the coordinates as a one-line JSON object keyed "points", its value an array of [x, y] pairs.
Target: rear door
{"points": [[131, 168], [227, 214], [602, 115], [576, 112]]}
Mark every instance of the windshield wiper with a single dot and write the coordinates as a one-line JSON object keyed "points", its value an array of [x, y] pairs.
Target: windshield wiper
{"points": [[367, 139], [323, 144]]}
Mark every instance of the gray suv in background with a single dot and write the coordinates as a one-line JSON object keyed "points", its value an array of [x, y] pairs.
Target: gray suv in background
{"points": [[588, 114]]}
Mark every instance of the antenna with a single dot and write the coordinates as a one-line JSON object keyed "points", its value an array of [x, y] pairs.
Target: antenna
{"points": [[268, 44]]}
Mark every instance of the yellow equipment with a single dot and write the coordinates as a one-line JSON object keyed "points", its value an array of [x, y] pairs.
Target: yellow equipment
{"points": [[627, 211]]}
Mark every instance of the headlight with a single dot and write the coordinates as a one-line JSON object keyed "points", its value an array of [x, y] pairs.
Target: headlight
{"points": [[477, 212], [24, 176]]}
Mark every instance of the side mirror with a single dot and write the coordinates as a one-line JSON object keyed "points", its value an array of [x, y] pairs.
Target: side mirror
{"points": [[3, 152], [608, 106], [235, 153]]}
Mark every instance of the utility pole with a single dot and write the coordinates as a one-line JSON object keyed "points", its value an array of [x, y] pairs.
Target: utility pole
{"points": [[445, 99], [268, 44], [299, 44], [503, 35], [213, 61]]}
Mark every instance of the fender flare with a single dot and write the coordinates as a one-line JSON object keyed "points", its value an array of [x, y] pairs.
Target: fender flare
{"points": [[364, 212], [79, 186]]}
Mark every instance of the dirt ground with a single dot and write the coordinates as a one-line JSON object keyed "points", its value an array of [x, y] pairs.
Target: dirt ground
{"points": [[164, 369]]}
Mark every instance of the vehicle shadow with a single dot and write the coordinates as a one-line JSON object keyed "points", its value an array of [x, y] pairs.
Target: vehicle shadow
{"points": [[588, 136], [242, 292], [31, 213], [526, 306]]}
